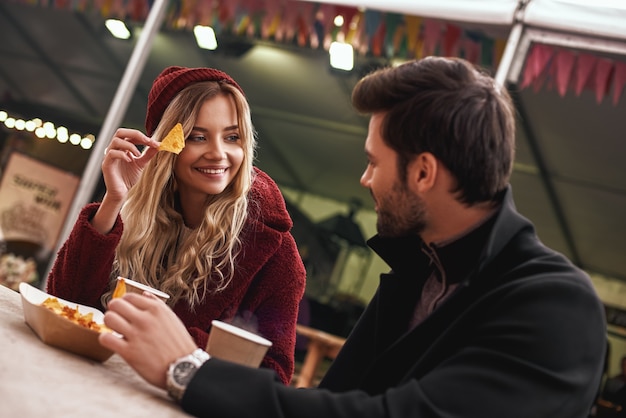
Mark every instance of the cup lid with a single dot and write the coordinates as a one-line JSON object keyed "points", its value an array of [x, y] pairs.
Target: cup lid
{"points": [[241, 332]]}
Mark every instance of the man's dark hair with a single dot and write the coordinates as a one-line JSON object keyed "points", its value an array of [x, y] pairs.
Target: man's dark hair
{"points": [[449, 108]]}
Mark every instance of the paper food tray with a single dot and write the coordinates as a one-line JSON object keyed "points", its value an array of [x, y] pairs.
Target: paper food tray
{"points": [[60, 332]]}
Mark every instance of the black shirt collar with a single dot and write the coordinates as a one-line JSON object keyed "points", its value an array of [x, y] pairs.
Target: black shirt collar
{"points": [[458, 257]]}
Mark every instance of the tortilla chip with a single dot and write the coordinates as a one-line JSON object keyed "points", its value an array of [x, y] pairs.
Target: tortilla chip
{"points": [[85, 320], [120, 289], [174, 141]]}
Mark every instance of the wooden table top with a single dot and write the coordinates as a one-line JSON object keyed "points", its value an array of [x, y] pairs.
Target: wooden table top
{"points": [[38, 380]]}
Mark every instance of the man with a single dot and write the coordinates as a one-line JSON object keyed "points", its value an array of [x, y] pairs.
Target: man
{"points": [[476, 318]]}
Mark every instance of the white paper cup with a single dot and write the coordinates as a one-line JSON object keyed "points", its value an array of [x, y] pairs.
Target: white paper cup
{"points": [[230, 343], [136, 287]]}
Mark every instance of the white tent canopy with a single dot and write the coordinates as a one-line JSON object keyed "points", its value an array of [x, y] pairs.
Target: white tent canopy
{"points": [[602, 18]]}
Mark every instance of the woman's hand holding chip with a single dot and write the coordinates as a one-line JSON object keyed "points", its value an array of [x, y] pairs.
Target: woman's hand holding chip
{"points": [[121, 167]]}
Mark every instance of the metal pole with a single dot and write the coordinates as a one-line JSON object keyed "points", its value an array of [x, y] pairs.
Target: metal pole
{"points": [[117, 110], [511, 49], [509, 55]]}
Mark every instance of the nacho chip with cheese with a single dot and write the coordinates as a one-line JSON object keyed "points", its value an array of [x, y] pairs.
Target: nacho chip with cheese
{"points": [[174, 141], [85, 320]]}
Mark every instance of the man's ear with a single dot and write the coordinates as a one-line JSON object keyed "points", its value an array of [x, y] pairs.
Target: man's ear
{"points": [[422, 172]]}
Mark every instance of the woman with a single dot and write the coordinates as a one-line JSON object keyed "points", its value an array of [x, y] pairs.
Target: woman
{"points": [[204, 226]]}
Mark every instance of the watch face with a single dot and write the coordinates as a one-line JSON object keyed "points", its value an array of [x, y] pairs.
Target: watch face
{"points": [[182, 373]]}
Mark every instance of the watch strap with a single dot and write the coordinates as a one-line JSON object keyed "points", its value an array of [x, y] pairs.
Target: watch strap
{"points": [[201, 355]]}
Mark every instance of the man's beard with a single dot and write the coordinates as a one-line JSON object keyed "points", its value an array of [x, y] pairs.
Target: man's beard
{"points": [[400, 213]]}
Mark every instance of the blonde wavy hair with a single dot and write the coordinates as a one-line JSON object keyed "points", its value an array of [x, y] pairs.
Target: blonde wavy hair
{"points": [[156, 248]]}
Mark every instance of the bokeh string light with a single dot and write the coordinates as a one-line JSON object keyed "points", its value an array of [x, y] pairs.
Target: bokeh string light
{"points": [[46, 130]]}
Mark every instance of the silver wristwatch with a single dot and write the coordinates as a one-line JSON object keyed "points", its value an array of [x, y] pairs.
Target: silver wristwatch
{"points": [[182, 370]]}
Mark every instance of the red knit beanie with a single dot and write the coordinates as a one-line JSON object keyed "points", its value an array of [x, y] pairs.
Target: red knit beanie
{"points": [[170, 82]]}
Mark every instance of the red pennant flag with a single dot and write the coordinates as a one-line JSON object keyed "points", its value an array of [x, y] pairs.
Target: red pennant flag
{"points": [[546, 79], [139, 10], [604, 70], [619, 79], [584, 68], [536, 62], [204, 13], [225, 13], [306, 21], [451, 41], [285, 29], [291, 17], [564, 62], [251, 6], [379, 39], [472, 50], [348, 14], [118, 9], [301, 33], [432, 35], [61, 4]]}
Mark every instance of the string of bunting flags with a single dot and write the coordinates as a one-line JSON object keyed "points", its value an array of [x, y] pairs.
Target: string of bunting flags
{"points": [[311, 25], [371, 33], [564, 70]]}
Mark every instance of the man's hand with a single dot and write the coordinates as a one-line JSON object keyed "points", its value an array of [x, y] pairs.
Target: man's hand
{"points": [[153, 336]]}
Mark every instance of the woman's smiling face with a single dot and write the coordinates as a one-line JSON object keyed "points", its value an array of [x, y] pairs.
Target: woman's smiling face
{"points": [[213, 151]]}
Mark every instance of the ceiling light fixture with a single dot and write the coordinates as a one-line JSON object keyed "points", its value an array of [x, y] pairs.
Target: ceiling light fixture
{"points": [[205, 37], [117, 28], [341, 56]]}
